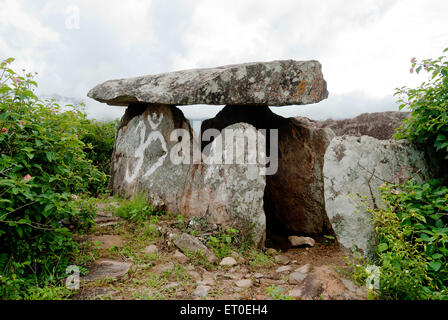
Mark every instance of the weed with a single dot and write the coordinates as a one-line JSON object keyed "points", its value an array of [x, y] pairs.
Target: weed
{"points": [[199, 259], [276, 293], [137, 209], [224, 242], [258, 259]]}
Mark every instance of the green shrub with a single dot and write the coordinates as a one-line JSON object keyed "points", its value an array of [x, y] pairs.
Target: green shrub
{"points": [[99, 138], [428, 104], [137, 209], [44, 173], [412, 230], [412, 249]]}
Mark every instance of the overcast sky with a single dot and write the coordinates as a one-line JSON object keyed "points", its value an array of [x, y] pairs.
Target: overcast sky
{"points": [[364, 46]]}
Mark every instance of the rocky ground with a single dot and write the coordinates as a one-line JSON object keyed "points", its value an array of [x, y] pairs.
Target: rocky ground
{"points": [[156, 259]]}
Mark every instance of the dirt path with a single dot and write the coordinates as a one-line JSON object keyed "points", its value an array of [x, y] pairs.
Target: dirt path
{"points": [[140, 261]]}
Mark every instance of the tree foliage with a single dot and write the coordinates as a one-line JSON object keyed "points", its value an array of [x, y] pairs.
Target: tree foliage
{"points": [[428, 103]]}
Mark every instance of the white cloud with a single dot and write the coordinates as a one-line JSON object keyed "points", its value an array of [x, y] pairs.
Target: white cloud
{"points": [[364, 46]]}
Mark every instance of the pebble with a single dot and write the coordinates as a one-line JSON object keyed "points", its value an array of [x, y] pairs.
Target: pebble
{"points": [[201, 291], [281, 259], [151, 249], [244, 283], [228, 262], [195, 275], [300, 241], [296, 293], [297, 277], [180, 257], [206, 282], [172, 285], [283, 269], [304, 269]]}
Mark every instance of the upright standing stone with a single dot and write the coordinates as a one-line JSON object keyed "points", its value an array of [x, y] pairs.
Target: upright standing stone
{"points": [[227, 194], [359, 165]]}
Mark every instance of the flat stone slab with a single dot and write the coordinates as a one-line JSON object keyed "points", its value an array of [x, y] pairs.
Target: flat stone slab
{"points": [[107, 269], [275, 83]]}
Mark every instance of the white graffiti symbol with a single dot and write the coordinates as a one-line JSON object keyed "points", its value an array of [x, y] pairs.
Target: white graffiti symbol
{"points": [[72, 281], [373, 279], [154, 135]]}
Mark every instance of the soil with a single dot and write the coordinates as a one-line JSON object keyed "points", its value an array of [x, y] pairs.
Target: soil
{"points": [[169, 274]]}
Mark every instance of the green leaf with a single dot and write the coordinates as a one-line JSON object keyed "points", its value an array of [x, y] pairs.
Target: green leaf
{"points": [[382, 247], [437, 256], [435, 265], [50, 156]]}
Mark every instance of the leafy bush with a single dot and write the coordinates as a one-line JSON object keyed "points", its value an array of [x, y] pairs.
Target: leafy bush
{"points": [[99, 138], [43, 173], [413, 241], [412, 229], [428, 103], [137, 209]]}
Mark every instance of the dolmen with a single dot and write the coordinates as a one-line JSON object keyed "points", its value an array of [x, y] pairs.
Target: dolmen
{"points": [[248, 168]]}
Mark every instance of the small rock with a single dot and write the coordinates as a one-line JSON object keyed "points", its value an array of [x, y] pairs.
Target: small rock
{"points": [[201, 291], [283, 269], [297, 277], [258, 275], [194, 274], [172, 285], [269, 282], [271, 251], [244, 283], [233, 276], [206, 282], [208, 275], [151, 249], [180, 257], [238, 257], [104, 269], [274, 275], [304, 269], [296, 293], [162, 268], [299, 241], [187, 242], [281, 259], [228, 262]]}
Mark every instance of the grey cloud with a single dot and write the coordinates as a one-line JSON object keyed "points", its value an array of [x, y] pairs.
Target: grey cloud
{"points": [[340, 106], [110, 46]]}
